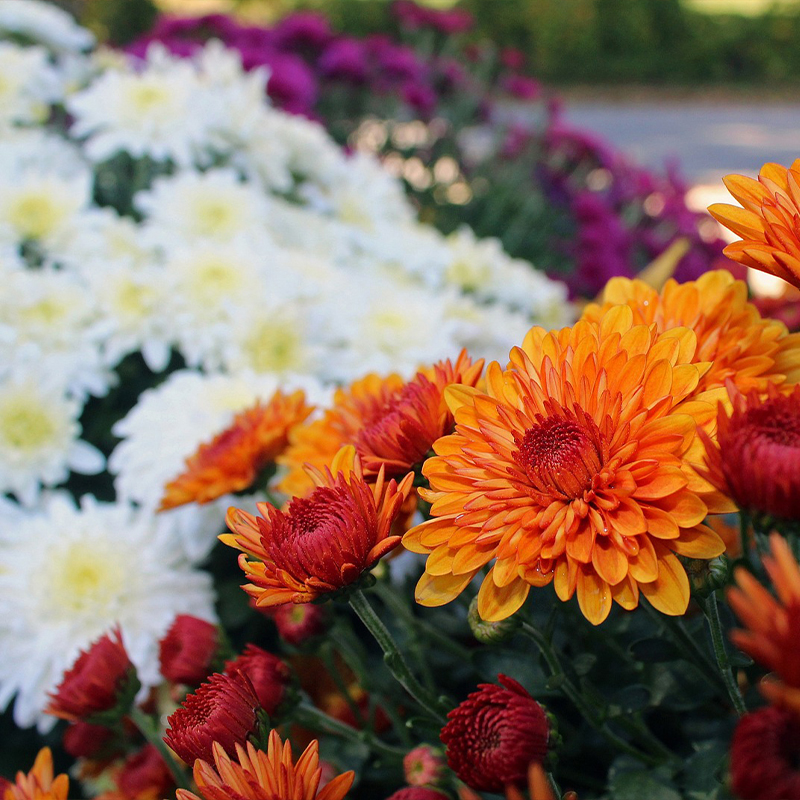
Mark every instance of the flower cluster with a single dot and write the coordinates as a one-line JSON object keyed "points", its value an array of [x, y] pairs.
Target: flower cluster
{"points": [[162, 223], [436, 105]]}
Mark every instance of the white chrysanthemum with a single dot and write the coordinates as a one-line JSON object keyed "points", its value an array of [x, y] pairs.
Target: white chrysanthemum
{"points": [[36, 150], [213, 206], [104, 238], [45, 24], [67, 576], [39, 433], [388, 324], [151, 112], [29, 84], [41, 209], [169, 423], [132, 304], [482, 268]]}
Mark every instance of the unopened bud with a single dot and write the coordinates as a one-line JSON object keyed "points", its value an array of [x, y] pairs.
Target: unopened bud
{"points": [[490, 632]]}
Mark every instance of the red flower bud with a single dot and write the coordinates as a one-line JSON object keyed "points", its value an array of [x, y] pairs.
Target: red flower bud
{"points": [[223, 710], [144, 774], [494, 735], [417, 793], [84, 740], [187, 650], [268, 674], [298, 622], [101, 680]]}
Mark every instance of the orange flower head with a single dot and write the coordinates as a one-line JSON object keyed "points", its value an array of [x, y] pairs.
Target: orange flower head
{"points": [[754, 460], [768, 221], [322, 543], [391, 422], [232, 460], [572, 469], [317, 443], [39, 783], [731, 334], [772, 624], [265, 776]]}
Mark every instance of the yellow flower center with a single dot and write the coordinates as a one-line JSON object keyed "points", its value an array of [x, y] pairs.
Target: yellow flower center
{"points": [[214, 217], [274, 347], [47, 312], [25, 425], [145, 97], [87, 579], [215, 279], [469, 275], [34, 215], [134, 301]]}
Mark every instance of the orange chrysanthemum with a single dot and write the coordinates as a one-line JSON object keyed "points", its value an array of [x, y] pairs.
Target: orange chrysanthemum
{"points": [[391, 422], [264, 776], [322, 543], [731, 334], [768, 222], [39, 783], [572, 469], [772, 625], [232, 460]]}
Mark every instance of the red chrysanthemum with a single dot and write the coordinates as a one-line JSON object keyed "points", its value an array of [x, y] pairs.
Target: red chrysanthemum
{"points": [[232, 461], [417, 793], [84, 740], [223, 710], [269, 675], [765, 753], [772, 625], [423, 766], [391, 422], [187, 651], [404, 430], [101, 679], [493, 736], [297, 623], [322, 543], [756, 456], [145, 776]]}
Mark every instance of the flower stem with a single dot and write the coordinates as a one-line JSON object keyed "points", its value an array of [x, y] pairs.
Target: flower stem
{"points": [[312, 717], [148, 729], [579, 701], [711, 610], [394, 658]]}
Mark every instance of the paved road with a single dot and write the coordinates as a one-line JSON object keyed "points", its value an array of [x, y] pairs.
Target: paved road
{"points": [[708, 139]]}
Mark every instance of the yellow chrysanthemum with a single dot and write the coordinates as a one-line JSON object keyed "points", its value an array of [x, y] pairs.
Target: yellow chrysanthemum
{"points": [[572, 469], [768, 222], [731, 333], [39, 783]]}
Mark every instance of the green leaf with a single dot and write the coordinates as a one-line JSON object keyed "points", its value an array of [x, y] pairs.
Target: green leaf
{"points": [[641, 784]]}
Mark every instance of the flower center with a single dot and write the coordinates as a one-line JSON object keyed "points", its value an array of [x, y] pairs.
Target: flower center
{"points": [[26, 426], [561, 455], [35, 215], [774, 423], [274, 347]]}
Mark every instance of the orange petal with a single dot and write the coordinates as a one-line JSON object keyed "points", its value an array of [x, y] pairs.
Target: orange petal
{"points": [[610, 563], [496, 603], [594, 596], [669, 592], [699, 542], [438, 590]]}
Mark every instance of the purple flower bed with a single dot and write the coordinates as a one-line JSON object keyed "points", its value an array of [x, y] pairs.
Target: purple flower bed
{"points": [[550, 192]]}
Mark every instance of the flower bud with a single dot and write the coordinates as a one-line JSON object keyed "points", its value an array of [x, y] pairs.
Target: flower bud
{"points": [[490, 632]]}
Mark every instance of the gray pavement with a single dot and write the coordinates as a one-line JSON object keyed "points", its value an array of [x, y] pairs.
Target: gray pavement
{"points": [[709, 140]]}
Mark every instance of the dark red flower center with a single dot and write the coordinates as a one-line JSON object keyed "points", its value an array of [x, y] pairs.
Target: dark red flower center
{"points": [[561, 455], [775, 423]]}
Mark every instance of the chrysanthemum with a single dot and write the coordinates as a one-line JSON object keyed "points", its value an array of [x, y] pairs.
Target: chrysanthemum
{"points": [[105, 564], [39, 783], [188, 649], [392, 423], [223, 712], [269, 674], [754, 460], [768, 222], [571, 469], [101, 678], [493, 736], [731, 333], [772, 625], [232, 460], [258, 775], [764, 755], [322, 543]]}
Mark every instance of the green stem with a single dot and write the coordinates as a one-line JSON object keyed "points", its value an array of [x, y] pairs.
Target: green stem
{"points": [[711, 610], [311, 717], [579, 701], [393, 657], [744, 535], [148, 729]]}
